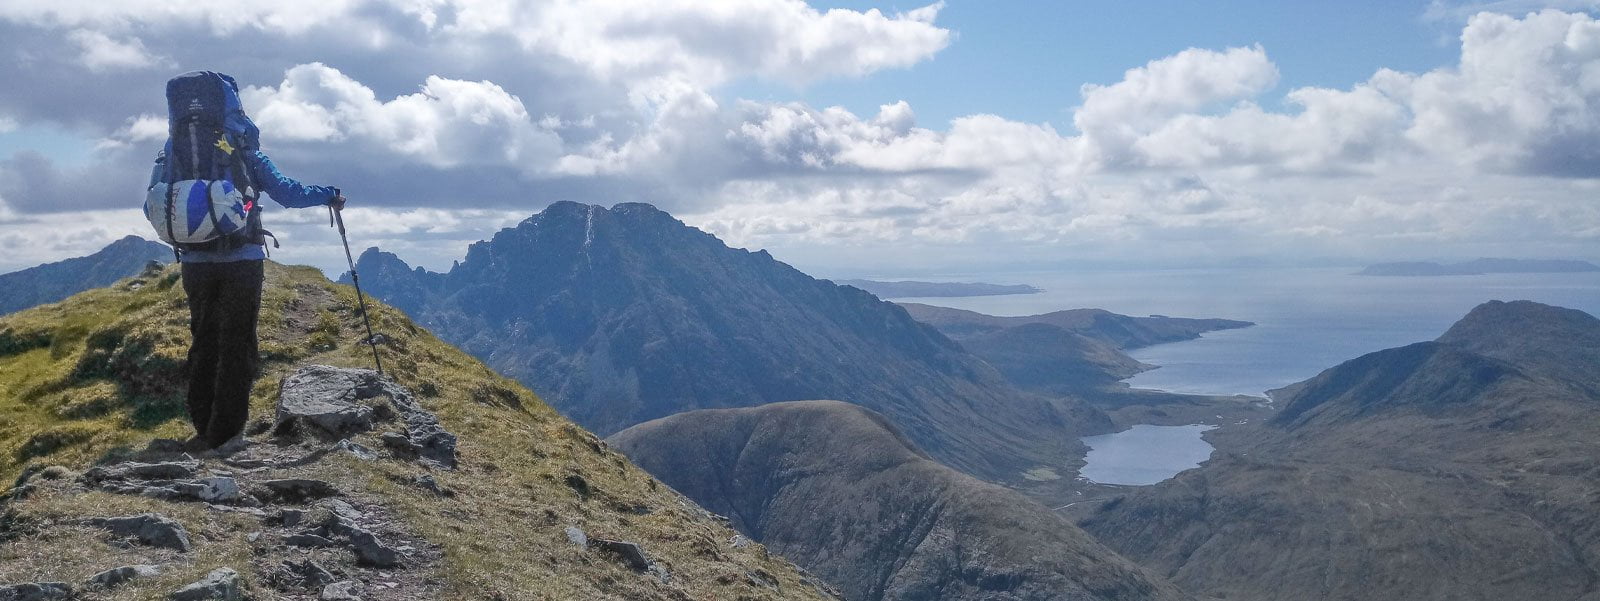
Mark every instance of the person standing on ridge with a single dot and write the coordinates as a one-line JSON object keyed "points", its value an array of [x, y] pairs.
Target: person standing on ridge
{"points": [[203, 200]]}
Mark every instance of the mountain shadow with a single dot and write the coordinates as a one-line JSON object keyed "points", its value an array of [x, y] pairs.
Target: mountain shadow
{"points": [[837, 489]]}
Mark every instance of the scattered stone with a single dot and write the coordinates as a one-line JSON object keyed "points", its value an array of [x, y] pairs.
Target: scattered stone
{"points": [[341, 591], [151, 529], [369, 550], [307, 574], [293, 490], [143, 471], [289, 518], [400, 445], [361, 452], [254, 511], [740, 541], [306, 540], [36, 591], [341, 509], [218, 489], [629, 552], [222, 584], [427, 482], [116, 576], [252, 537], [576, 536]]}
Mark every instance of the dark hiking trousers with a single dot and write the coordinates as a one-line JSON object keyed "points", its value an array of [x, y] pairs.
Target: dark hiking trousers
{"points": [[224, 300]]}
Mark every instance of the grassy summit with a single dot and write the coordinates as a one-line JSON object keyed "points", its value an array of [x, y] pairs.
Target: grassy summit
{"points": [[95, 377]]}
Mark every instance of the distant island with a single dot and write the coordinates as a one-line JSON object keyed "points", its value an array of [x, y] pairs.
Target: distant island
{"points": [[945, 289], [1479, 267]]}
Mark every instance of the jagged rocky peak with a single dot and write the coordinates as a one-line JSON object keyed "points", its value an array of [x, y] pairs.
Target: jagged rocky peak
{"points": [[625, 314]]}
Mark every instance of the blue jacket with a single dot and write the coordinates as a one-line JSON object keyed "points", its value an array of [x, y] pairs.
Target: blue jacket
{"points": [[285, 191]]}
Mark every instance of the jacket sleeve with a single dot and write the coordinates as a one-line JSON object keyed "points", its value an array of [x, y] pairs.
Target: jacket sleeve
{"points": [[287, 192]]}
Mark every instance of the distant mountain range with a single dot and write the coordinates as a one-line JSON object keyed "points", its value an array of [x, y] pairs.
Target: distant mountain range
{"points": [[623, 315], [835, 488], [1464, 468], [909, 289], [1479, 267], [53, 282]]}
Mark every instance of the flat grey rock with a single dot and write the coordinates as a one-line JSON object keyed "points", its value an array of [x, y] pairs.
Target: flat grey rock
{"points": [[222, 584], [326, 399], [630, 553], [293, 490], [347, 590], [576, 536], [119, 575], [134, 470], [36, 591], [151, 529], [307, 573]]}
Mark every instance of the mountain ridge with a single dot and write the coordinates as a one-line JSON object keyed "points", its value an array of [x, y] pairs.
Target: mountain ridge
{"points": [[837, 488], [1446, 457], [623, 315], [52, 282], [87, 383]]}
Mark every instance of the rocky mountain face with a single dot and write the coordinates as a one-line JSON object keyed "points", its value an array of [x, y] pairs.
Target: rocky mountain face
{"points": [[837, 489], [438, 480], [52, 282], [1467, 467], [1078, 351], [623, 315]]}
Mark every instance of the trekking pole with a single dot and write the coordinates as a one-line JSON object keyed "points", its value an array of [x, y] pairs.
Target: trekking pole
{"points": [[337, 216]]}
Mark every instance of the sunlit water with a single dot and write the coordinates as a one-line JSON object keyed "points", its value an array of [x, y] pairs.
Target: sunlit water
{"points": [[1144, 454], [1307, 319]]}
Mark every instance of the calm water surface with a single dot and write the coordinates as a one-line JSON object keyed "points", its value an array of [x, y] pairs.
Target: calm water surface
{"points": [[1144, 454], [1307, 319]]}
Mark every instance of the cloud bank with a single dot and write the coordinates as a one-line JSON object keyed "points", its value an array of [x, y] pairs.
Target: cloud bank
{"points": [[486, 111]]}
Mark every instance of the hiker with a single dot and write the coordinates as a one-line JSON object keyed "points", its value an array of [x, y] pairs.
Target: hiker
{"points": [[202, 200]]}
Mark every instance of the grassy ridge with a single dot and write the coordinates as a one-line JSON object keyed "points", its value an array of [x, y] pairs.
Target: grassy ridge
{"points": [[101, 373]]}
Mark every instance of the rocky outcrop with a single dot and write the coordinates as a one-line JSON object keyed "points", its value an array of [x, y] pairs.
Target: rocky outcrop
{"points": [[336, 403], [841, 492], [314, 421]]}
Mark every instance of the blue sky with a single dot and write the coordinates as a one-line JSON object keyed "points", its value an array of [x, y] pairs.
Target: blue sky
{"points": [[957, 136], [1027, 60]]}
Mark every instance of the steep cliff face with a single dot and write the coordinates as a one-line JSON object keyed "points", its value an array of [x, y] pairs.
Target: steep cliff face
{"points": [[1463, 468], [624, 315], [836, 488], [442, 480]]}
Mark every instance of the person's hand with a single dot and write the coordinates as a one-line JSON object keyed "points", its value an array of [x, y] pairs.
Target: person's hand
{"points": [[337, 203]]}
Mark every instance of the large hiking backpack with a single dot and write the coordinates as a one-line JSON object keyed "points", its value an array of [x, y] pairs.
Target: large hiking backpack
{"points": [[204, 198]]}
